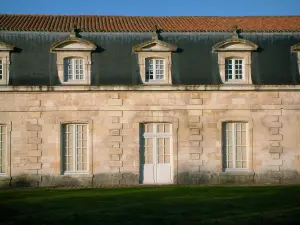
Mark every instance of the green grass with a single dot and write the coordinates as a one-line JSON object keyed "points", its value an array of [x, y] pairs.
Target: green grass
{"points": [[152, 205]]}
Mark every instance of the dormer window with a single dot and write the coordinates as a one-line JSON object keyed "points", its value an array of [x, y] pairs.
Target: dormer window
{"points": [[74, 69], [155, 60], [155, 69], [74, 60], [5, 50], [234, 59], [234, 69]]}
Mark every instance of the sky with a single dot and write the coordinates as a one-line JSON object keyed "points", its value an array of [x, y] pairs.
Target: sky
{"points": [[152, 7]]}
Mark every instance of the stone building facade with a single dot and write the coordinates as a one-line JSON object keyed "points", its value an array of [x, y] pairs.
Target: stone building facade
{"points": [[198, 123]]}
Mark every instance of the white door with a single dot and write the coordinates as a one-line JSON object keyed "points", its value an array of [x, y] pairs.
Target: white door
{"points": [[156, 166]]}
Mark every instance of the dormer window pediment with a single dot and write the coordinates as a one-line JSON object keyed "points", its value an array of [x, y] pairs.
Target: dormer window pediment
{"points": [[155, 46], [295, 48], [6, 47], [73, 44], [234, 44]]}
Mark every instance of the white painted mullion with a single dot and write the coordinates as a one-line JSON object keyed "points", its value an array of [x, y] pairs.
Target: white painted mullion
{"points": [[74, 148], [233, 145]]}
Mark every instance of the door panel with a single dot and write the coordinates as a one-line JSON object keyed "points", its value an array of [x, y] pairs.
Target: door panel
{"points": [[163, 173], [148, 174]]}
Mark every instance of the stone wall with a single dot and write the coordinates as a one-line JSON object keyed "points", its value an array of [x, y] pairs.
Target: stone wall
{"points": [[34, 121]]}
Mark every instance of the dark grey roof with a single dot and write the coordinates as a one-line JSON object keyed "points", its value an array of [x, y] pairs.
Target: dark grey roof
{"points": [[113, 62]]}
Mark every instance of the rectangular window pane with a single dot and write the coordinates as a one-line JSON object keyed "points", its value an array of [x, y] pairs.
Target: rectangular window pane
{"points": [[149, 69], [148, 154], [228, 69], [160, 128], [159, 72], [238, 69]]}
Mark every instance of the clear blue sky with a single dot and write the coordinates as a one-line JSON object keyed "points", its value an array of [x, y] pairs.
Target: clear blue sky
{"points": [[153, 7]]}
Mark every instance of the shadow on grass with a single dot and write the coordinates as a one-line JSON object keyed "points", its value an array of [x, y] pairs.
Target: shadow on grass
{"points": [[152, 205]]}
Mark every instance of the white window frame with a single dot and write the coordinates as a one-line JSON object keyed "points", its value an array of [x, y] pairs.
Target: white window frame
{"points": [[74, 61], [74, 149], [3, 156], [154, 64], [233, 61], [156, 135], [234, 147]]}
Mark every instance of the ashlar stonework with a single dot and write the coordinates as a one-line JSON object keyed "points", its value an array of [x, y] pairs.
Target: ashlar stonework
{"points": [[34, 120]]}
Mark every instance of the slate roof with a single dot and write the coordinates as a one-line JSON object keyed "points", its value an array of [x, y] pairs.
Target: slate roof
{"points": [[93, 23]]}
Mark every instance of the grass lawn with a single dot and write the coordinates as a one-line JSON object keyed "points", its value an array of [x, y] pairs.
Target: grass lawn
{"points": [[152, 205]]}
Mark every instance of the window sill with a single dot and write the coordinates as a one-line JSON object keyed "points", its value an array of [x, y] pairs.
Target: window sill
{"points": [[77, 174], [237, 173], [156, 83], [235, 82], [75, 83]]}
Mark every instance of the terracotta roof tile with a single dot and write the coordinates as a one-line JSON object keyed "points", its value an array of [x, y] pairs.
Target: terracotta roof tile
{"points": [[62, 23]]}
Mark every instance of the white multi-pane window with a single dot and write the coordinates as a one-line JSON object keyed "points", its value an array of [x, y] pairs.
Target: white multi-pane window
{"points": [[234, 69], [155, 69], [235, 145], [1, 69], [157, 143], [3, 137], [74, 69], [75, 152]]}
